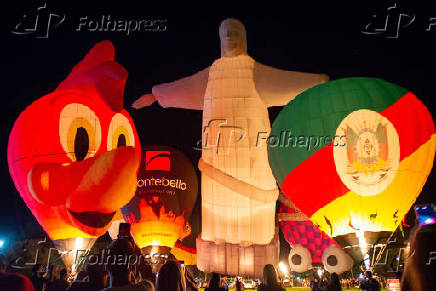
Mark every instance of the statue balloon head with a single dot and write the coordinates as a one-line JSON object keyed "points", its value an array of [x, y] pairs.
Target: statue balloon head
{"points": [[233, 38]]}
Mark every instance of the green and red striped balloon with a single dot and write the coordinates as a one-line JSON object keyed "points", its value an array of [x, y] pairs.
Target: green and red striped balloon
{"points": [[353, 154]]}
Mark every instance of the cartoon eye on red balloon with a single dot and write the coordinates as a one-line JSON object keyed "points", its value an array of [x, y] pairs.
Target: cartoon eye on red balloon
{"points": [[74, 153]]}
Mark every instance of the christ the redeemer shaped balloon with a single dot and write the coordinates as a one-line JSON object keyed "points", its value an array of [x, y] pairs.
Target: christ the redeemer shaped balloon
{"points": [[238, 189]]}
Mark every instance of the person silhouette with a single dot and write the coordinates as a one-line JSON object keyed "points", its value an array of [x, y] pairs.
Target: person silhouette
{"points": [[270, 280], [171, 277], [13, 281], [420, 268]]}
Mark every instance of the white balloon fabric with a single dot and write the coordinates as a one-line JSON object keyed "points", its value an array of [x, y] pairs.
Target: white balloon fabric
{"points": [[238, 189], [236, 260], [336, 260], [300, 259], [231, 125]]}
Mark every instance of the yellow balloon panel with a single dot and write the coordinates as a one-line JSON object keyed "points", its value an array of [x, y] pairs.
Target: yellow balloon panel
{"points": [[384, 211], [185, 256], [156, 233]]}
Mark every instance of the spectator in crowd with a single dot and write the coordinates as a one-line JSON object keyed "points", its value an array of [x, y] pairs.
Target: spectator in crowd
{"points": [[81, 276], [38, 279], [270, 280], [323, 282], [334, 284], [120, 272], [238, 284], [314, 284], [214, 284], [369, 283], [12, 281], [145, 276], [60, 284], [420, 269], [96, 279], [171, 277], [191, 285], [145, 272]]}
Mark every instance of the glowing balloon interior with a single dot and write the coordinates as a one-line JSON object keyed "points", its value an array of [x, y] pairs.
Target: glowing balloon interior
{"points": [[73, 154], [305, 237], [167, 188], [238, 189], [361, 148]]}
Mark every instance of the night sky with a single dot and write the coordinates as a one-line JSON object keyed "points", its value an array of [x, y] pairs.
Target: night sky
{"points": [[305, 37]]}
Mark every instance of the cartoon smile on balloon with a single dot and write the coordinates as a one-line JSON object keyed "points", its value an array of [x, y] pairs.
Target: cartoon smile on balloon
{"points": [[74, 153]]}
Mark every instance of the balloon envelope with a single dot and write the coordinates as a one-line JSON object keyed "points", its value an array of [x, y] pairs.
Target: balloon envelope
{"points": [[359, 148], [167, 188], [304, 233], [73, 154]]}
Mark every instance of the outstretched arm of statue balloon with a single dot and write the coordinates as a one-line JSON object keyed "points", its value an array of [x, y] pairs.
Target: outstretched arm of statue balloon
{"points": [[187, 93], [277, 87], [144, 101]]}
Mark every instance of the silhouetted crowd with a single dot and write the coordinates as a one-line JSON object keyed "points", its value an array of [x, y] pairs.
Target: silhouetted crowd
{"points": [[118, 275]]}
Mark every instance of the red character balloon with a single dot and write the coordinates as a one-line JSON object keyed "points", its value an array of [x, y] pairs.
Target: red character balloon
{"points": [[74, 153]]}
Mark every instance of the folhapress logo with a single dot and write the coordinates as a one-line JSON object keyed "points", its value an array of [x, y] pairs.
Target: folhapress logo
{"points": [[129, 26], [39, 22], [42, 21], [394, 19], [219, 135]]}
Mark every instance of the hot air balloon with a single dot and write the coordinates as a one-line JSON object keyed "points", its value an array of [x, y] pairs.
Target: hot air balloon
{"points": [[309, 244], [73, 154], [353, 155], [239, 192], [167, 188]]}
